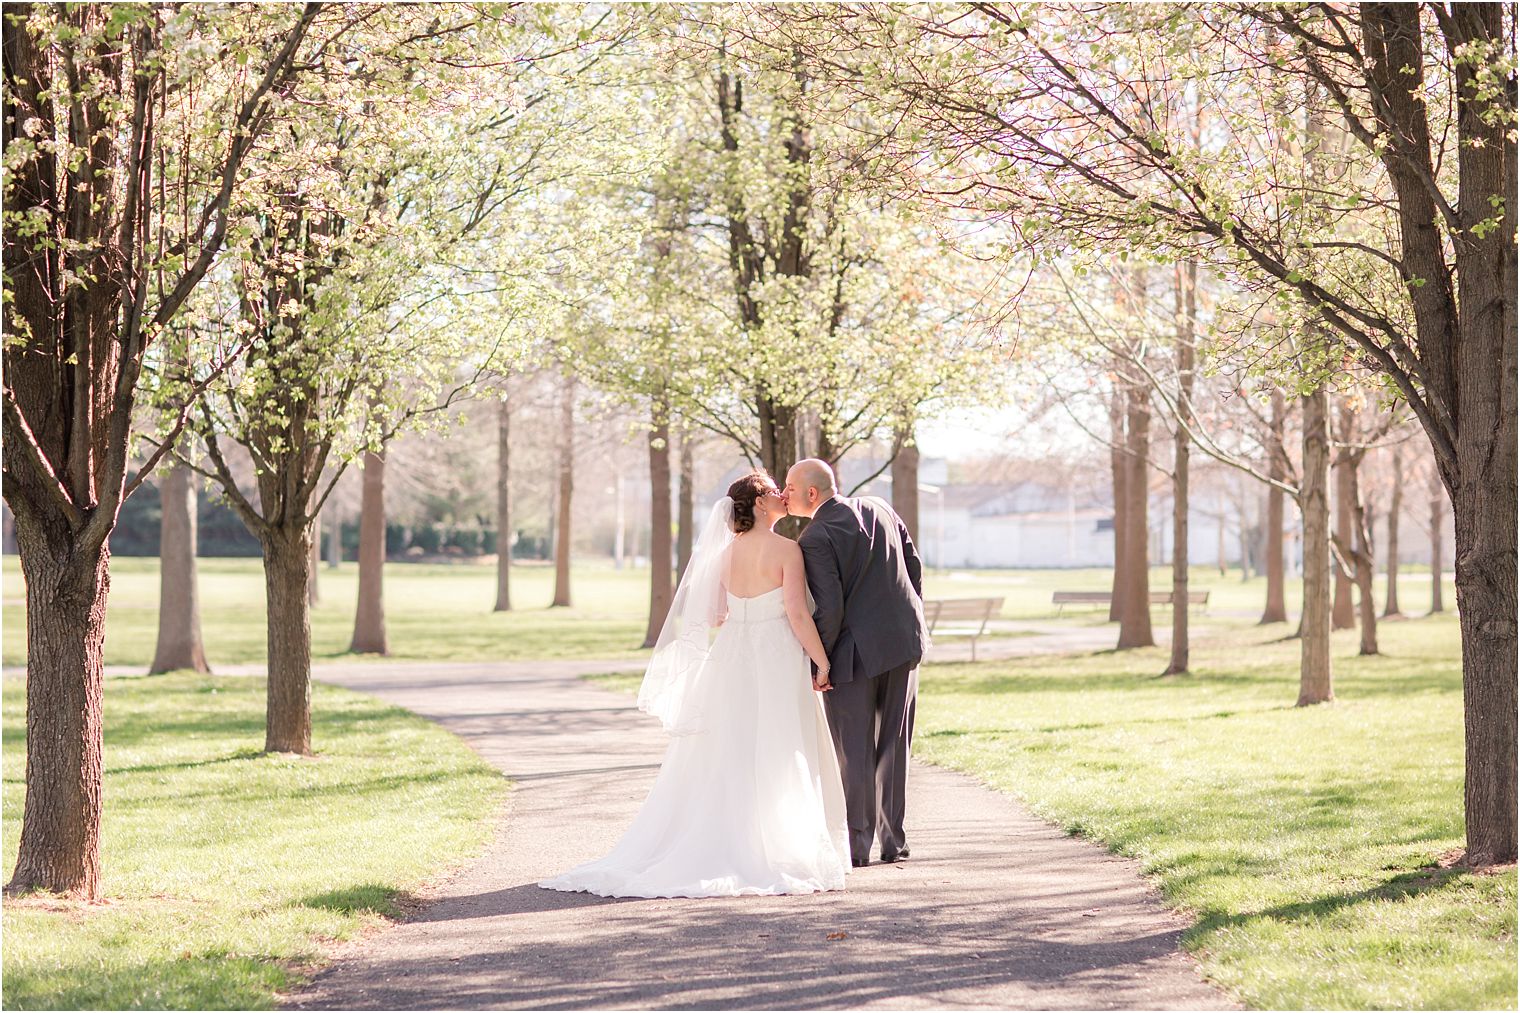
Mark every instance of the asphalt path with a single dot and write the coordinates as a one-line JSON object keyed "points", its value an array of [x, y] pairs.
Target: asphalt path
{"points": [[996, 909]]}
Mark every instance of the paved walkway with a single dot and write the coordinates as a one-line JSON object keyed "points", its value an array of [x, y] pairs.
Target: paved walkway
{"points": [[995, 910]]}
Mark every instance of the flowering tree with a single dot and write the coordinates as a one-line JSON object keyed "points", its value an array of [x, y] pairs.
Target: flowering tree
{"points": [[127, 133], [359, 281], [1385, 216]]}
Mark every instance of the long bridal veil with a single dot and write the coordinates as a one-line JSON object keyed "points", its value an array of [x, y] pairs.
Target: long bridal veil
{"points": [[686, 638], [748, 799]]}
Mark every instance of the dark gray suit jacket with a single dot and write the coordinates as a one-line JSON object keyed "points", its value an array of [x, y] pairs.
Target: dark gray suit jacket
{"points": [[867, 596]]}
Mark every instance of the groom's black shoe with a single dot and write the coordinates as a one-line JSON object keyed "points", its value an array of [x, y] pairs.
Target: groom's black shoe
{"points": [[860, 863], [900, 855]]}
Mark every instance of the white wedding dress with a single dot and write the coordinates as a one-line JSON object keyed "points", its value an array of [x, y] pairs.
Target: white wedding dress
{"points": [[748, 799]]}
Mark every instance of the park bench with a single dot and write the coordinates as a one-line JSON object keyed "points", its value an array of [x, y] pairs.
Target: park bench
{"points": [[1061, 599], [1193, 597], [965, 617]]}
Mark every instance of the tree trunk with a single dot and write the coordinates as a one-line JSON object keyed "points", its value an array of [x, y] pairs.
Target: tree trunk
{"points": [[566, 490], [334, 523], [686, 506], [619, 522], [1135, 615], [661, 588], [1276, 610], [1486, 590], [1437, 542], [1314, 674], [1395, 507], [1343, 612], [65, 629], [503, 507], [1363, 555], [287, 557], [1187, 310], [313, 589], [1118, 465], [905, 481], [369, 616], [179, 606], [1244, 531], [778, 437]]}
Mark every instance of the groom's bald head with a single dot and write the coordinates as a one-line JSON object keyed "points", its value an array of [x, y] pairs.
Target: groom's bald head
{"points": [[809, 484]]}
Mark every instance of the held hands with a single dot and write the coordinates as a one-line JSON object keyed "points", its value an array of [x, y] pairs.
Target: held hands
{"points": [[821, 678]]}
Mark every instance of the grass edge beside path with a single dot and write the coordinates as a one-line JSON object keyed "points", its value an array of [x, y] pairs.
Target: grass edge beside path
{"points": [[231, 874], [1304, 844]]}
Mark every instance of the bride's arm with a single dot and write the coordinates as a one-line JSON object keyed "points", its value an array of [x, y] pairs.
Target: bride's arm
{"points": [[794, 595]]}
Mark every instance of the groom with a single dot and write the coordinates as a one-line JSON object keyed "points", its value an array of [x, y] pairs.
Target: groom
{"points": [[868, 593]]}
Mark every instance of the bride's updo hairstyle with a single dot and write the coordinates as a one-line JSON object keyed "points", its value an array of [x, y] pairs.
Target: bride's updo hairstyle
{"points": [[744, 492]]}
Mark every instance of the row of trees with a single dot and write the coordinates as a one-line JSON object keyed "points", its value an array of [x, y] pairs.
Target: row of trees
{"points": [[269, 227], [1354, 178], [278, 237], [300, 231]]}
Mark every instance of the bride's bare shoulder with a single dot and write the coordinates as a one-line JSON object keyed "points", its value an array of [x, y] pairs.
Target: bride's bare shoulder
{"points": [[780, 544]]}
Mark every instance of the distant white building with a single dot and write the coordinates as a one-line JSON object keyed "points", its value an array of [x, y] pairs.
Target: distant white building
{"points": [[1037, 524]]}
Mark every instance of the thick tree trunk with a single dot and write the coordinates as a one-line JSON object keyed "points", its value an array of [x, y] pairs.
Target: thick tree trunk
{"points": [[65, 637], [778, 437], [661, 587], [566, 491], [686, 506], [369, 616], [287, 557], [1343, 611], [1395, 507], [1276, 609], [905, 481], [1314, 674], [503, 506], [1484, 496], [1118, 465], [1365, 560], [179, 607], [1437, 542], [1135, 614], [1486, 592], [778, 451]]}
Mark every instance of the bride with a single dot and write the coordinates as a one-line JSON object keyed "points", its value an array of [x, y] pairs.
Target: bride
{"points": [[748, 799]]}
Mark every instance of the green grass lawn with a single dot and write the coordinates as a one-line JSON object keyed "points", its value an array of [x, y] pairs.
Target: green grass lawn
{"points": [[433, 612], [443, 612], [1026, 593], [227, 871], [1303, 842]]}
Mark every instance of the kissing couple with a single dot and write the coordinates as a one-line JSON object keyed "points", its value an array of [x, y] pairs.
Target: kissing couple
{"points": [[786, 674]]}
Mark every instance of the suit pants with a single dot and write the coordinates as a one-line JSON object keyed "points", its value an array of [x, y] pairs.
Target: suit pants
{"points": [[871, 721]]}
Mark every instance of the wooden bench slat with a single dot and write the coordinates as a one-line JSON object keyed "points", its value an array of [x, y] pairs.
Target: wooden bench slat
{"points": [[972, 613], [1193, 597], [1073, 597]]}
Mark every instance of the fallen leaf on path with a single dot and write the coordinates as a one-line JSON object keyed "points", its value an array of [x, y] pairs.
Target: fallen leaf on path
{"points": [[837, 935]]}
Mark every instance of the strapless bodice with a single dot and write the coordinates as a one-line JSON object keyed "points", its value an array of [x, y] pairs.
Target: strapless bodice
{"points": [[758, 608]]}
